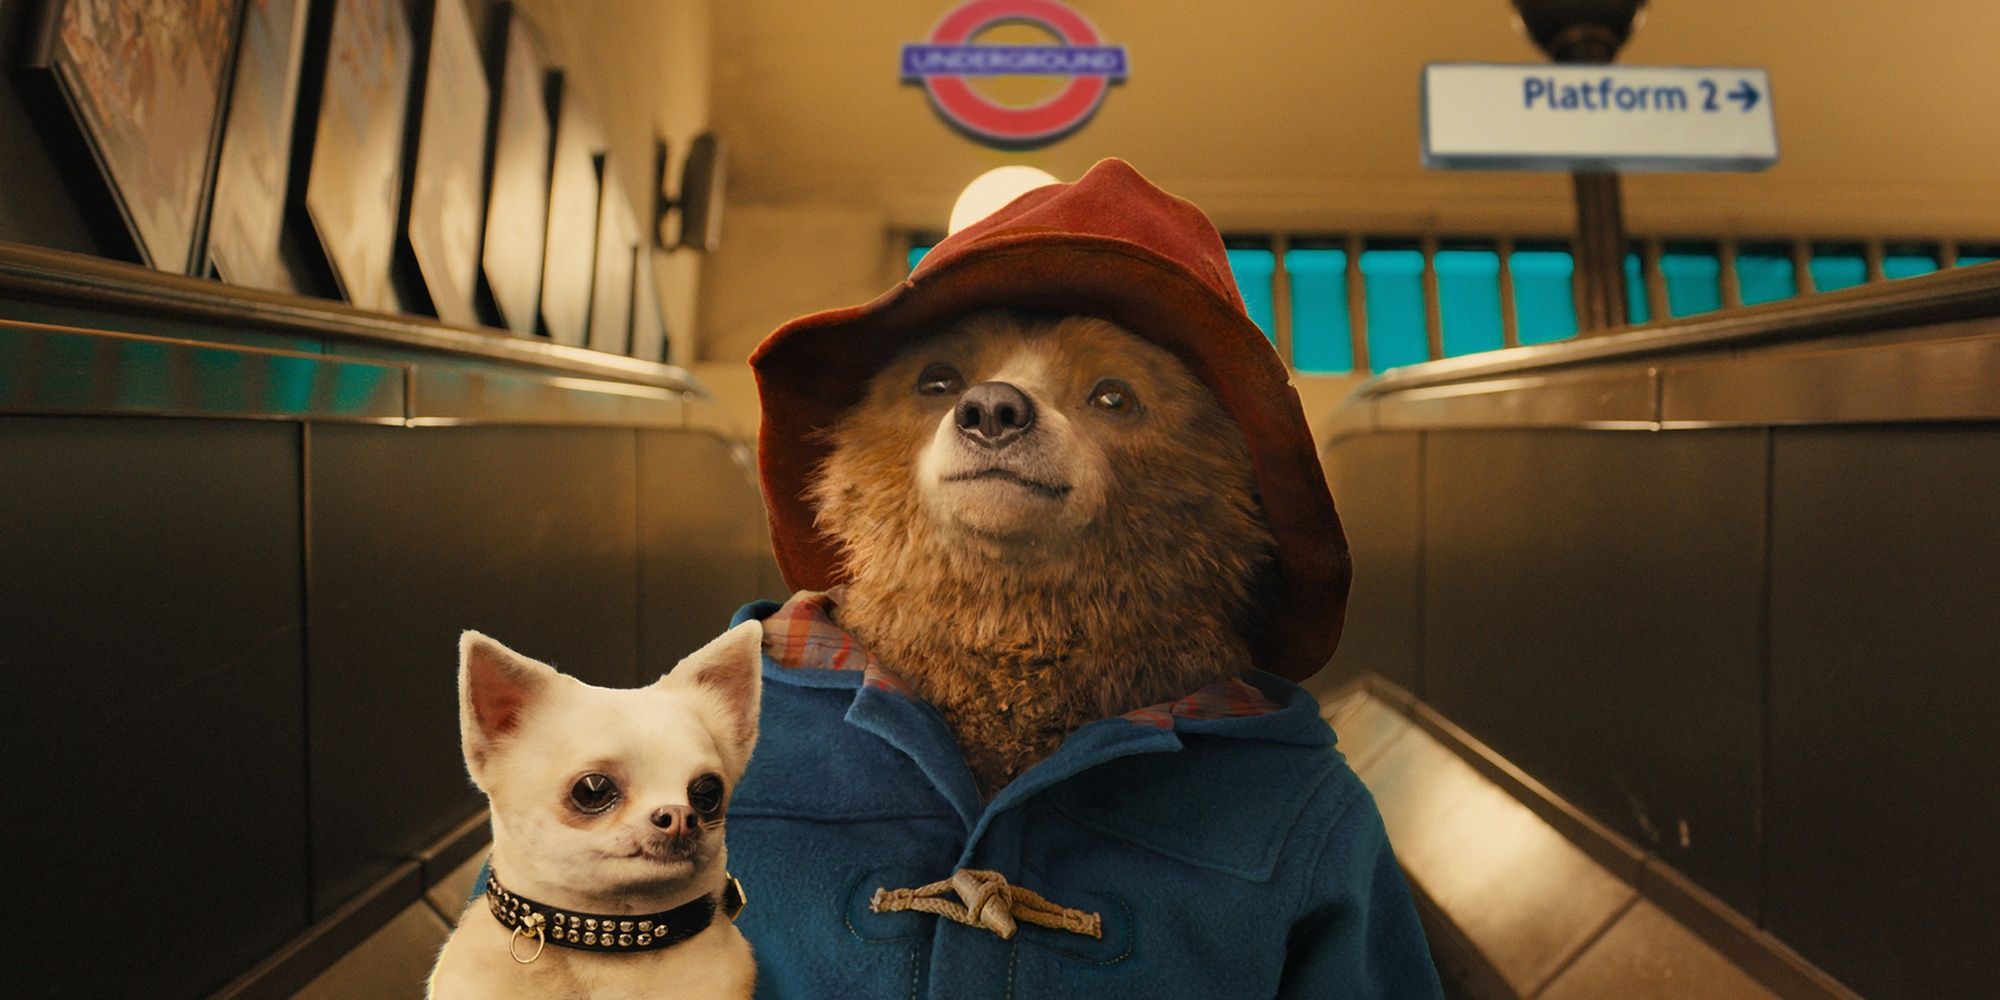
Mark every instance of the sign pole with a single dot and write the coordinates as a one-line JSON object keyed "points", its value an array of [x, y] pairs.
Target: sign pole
{"points": [[1590, 32], [1600, 250]]}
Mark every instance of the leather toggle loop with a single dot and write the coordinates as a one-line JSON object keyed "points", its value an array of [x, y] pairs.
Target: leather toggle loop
{"points": [[985, 899]]}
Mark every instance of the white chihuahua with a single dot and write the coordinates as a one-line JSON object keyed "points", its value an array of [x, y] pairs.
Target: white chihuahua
{"points": [[608, 874]]}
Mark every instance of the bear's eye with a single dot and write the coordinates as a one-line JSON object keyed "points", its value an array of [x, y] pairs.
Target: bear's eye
{"points": [[1115, 396], [940, 380], [705, 794], [593, 793]]}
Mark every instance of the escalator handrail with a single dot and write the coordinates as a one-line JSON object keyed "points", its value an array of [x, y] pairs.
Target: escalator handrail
{"points": [[1958, 294]]}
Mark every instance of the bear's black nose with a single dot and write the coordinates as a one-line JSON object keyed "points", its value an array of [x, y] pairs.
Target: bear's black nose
{"points": [[993, 414]]}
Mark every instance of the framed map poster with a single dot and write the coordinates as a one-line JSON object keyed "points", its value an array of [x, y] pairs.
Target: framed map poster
{"points": [[617, 250], [251, 177], [354, 184], [569, 264], [142, 84], [649, 328], [517, 207], [447, 194]]}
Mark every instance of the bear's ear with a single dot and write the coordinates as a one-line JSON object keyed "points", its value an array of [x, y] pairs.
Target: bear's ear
{"points": [[729, 672], [497, 687]]}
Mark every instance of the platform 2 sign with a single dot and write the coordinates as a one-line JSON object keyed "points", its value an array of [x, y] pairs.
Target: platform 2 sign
{"points": [[1488, 116]]}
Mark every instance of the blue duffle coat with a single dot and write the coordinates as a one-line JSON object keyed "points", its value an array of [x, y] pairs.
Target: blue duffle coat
{"points": [[1227, 857]]}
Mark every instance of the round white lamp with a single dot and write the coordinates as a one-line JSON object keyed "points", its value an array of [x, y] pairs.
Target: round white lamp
{"points": [[993, 189]]}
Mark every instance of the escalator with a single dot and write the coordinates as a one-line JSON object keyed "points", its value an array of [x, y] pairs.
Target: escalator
{"points": [[1669, 658], [1724, 587]]}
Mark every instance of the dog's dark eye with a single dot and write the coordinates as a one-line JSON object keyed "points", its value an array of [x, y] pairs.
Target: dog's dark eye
{"points": [[593, 793], [1115, 396], [705, 794], [940, 380]]}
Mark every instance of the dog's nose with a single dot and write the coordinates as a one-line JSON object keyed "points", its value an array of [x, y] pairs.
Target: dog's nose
{"points": [[674, 821], [993, 414]]}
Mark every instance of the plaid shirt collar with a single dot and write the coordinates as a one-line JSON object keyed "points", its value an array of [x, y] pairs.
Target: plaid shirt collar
{"points": [[803, 634]]}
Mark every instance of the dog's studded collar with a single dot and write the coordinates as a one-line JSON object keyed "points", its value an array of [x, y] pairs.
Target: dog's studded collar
{"points": [[541, 924]]}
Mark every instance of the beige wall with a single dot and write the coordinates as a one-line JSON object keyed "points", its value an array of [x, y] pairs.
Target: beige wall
{"points": [[643, 69], [1303, 114], [783, 260]]}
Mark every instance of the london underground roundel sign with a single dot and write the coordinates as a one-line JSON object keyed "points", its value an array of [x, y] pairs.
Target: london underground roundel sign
{"points": [[946, 62]]}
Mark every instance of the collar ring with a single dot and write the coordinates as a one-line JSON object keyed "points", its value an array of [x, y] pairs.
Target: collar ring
{"points": [[532, 931]]}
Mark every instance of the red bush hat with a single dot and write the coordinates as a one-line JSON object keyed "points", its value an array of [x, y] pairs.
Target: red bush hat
{"points": [[1110, 245]]}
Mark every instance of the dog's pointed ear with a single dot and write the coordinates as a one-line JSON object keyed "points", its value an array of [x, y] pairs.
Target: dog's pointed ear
{"points": [[730, 669], [496, 688]]}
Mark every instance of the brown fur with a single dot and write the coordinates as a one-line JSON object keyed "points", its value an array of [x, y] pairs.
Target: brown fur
{"points": [[1137, 591]]}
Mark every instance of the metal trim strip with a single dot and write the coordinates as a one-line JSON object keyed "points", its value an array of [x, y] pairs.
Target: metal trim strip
{"points": [[1937, 374], [1620, 398], [62, 370], [69, 371], [1971, 293], [450, 396], [42, 275], [1941, 380]]}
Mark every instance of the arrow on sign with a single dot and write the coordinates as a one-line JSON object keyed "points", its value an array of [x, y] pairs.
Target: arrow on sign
{"points": [[1745, 93]]}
